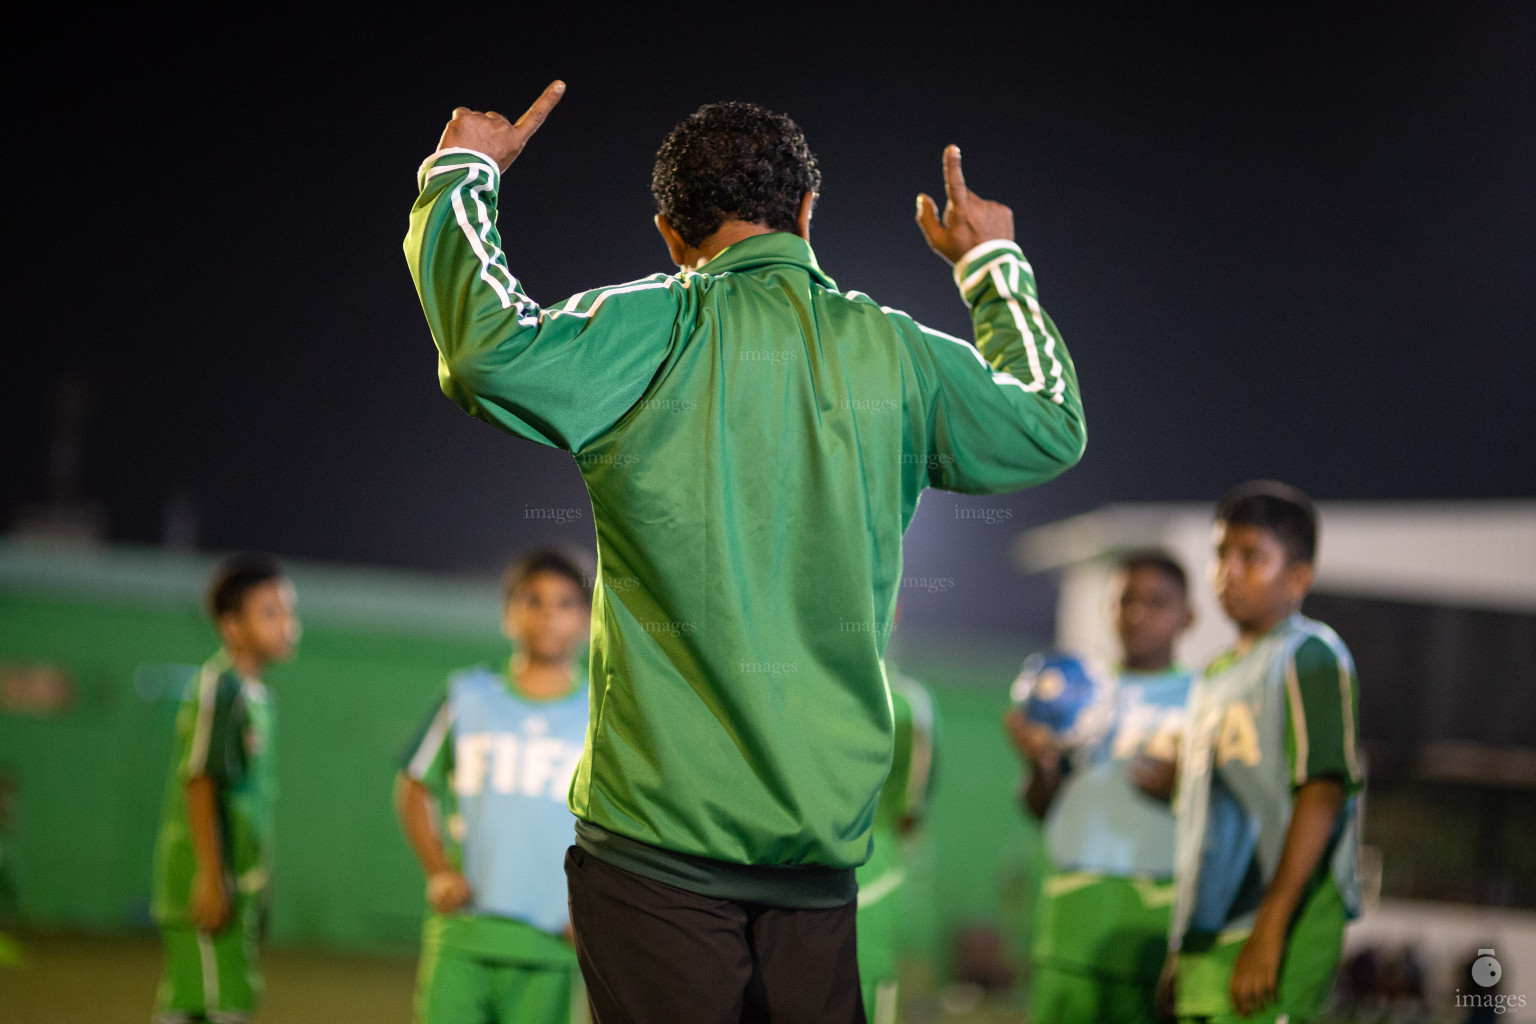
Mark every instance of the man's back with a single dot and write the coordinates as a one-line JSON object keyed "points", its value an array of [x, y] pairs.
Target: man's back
{"points": [[749, 512], [754, 443]]}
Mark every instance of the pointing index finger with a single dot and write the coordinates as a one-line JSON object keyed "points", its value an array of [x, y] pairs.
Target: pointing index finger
{"points": [[954, 181], [535, 115]]}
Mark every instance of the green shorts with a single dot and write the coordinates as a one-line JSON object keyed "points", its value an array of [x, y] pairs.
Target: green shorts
{"points": [[211, 977], [1099, 945], [1065, 996], [452, 988], [1306, 970]]}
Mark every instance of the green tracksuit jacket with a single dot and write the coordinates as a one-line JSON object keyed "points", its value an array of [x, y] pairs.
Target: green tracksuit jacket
{"points": [[754, 442]]}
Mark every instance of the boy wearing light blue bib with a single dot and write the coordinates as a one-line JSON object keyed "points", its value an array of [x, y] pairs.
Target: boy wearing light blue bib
{"points": [[496, 758], [1101, 919]]}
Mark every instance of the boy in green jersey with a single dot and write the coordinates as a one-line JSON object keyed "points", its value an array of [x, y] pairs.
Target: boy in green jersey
{"points": [[482, 799], [213, 855], [1267, 828], [1101, 919], [903, 804], [754, 442]]}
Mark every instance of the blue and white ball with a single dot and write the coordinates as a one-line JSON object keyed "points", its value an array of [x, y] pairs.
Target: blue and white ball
{"points": [[1069, 694]]}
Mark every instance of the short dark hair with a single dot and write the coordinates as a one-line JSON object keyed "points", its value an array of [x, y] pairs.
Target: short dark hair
{"points": [[234, 578], [1279, 508], [544, 560], [1158, 561], [733, 160]]}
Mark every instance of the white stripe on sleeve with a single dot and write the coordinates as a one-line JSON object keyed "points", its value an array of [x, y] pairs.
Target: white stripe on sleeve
{"points": [[1298, 719], [431, 743], [202, 729], [1346, 692], [1037, 378], [964, 263]]}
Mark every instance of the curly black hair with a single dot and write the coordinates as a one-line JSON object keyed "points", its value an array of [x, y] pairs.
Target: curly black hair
{"points": [[733, 160]]}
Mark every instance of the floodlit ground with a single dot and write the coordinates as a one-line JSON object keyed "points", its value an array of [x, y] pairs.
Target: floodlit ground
{"points": [[82, 979], [77, 979], [73, 979]]}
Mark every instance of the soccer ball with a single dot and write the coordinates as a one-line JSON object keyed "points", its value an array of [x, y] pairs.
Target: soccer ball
{"points": [[1071, 695]]}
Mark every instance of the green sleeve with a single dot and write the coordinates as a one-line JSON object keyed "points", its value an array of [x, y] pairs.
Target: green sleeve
{"points": [[215, 745], [1005, 413], [560, 375], [1322, 707], [429, 759]]}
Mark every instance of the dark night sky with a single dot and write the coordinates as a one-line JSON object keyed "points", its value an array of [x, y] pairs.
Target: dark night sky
{"points": [[1292, 242]]}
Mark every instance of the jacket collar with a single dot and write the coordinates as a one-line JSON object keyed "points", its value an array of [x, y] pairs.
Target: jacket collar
{"points": [[776, 247]]}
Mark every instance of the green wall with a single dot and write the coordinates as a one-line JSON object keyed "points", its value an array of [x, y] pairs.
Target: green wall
{"points": [[90, 777]]}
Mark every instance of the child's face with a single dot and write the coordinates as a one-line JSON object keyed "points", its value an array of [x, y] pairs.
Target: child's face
{"points": [[1150, 613], [266, 626], [547, 616], [1255, 581]]}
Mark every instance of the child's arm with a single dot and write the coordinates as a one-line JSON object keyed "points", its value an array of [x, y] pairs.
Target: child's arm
{"points": [[1314, 811], [212, 763], [447, 890], [1044, 758], [1322, 707], [210, 900]]}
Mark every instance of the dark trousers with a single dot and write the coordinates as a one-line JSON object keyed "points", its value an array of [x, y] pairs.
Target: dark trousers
{"points": [[652, 953]]}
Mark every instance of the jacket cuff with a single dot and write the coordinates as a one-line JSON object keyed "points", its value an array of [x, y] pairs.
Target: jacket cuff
{"points": [[465, 158], [970, 268]]}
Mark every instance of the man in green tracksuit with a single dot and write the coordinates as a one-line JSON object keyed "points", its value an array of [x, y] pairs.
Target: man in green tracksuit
{"points": [[754, 442]]}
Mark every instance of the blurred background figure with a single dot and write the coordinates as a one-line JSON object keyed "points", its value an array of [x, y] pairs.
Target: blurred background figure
{"points": [[482, 800], [1266, 859], [213, 860], [1102, 789], [903, 805]]}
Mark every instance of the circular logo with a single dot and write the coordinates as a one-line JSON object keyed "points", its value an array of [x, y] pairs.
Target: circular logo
{"points": [[1486, 970]]}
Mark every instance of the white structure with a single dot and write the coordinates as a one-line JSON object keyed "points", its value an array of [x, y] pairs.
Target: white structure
{"points": [[1479, 554]]}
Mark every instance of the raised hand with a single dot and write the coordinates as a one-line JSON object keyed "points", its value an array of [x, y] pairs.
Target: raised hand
{"points": [[495, 136], [968, 220]]}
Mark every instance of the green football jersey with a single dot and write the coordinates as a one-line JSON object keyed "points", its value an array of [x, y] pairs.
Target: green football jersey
{"points": [[754, 442], [223, 731], [1260, 725]]}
